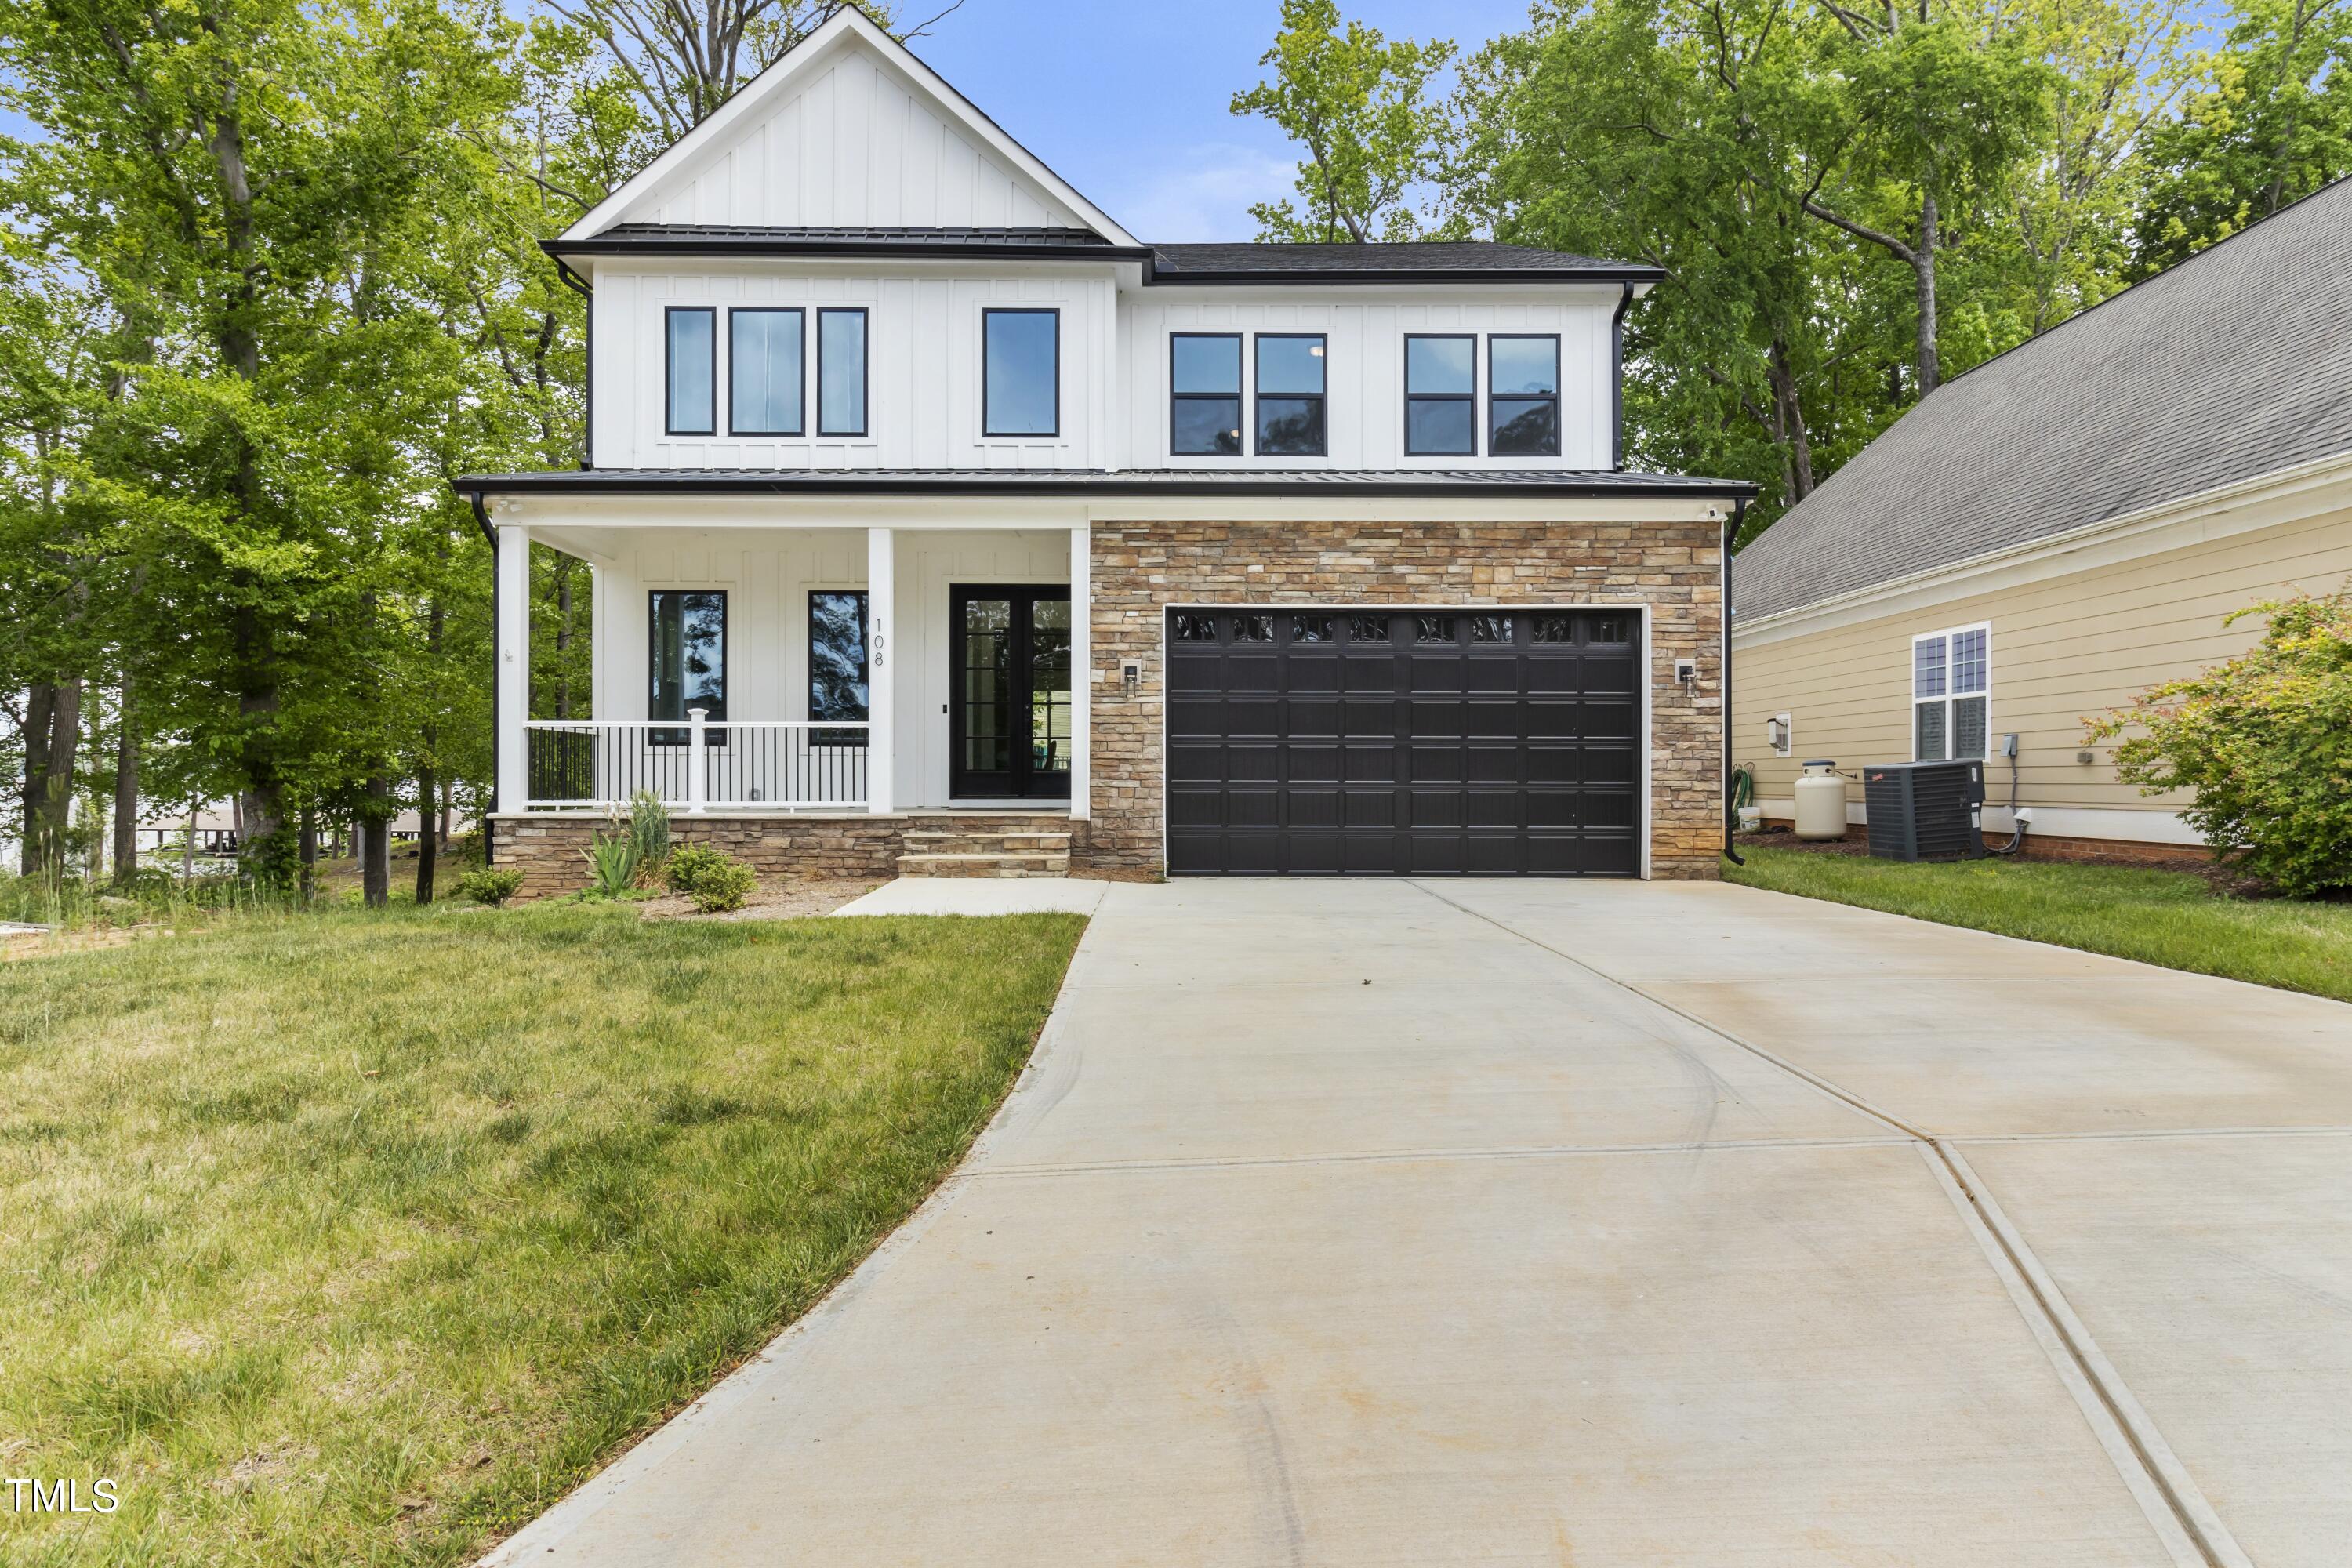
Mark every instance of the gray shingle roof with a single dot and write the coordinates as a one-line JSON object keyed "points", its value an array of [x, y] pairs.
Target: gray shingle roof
{"points": [[2236, 364]]}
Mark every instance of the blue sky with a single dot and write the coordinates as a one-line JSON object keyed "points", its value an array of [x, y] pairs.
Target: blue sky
{"points": [[1127, 101]]}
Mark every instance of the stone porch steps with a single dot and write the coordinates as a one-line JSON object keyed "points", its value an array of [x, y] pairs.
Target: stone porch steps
{"points": [[985, 852]]}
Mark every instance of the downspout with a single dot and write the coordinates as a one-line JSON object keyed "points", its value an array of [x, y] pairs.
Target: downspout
{"points": [[490, 535], [1617, 380], [579, 285], [1730, 532]]}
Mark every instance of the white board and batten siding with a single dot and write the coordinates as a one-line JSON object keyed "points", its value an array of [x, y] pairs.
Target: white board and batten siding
{"points": [[857, 145], [1364, 365]]}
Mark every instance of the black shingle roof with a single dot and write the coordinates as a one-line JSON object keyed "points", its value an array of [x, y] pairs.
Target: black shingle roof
{"points": [[2236, 364], [1235, 481]]}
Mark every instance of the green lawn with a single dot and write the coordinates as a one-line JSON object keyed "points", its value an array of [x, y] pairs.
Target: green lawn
{"points": [[2172, 918], [355, 1238]]}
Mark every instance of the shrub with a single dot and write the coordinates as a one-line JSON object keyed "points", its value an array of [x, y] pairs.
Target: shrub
{"points": [[2265, 740], [490, 884], [612, 864], [724, 886], [649, 830], [688, 862]]}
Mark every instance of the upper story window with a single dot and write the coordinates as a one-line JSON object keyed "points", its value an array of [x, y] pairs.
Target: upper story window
{"points": [[1441, 395], [1290, 395], [841, 372], [1522, 395], [763, 371], [1204, 383], [693, 355], [1951, 686], [1021, 373]]}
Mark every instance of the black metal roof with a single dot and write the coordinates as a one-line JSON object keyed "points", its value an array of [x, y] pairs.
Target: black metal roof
{"points": [[1404, 482], [2234, 363], [1258, 262]]}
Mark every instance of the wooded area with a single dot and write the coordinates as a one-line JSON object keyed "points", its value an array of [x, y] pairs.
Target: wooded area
{"points": [[270, 276]]}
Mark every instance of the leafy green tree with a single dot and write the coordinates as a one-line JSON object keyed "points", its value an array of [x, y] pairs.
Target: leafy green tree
{"points": [[2273, 125], [1361, 106]]}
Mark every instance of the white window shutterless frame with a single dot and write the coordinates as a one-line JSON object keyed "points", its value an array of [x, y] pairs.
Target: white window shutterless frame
{"points": [[1951, 693]]}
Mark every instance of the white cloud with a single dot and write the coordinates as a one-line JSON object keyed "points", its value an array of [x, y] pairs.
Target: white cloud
{"points": [[1207, 198]]}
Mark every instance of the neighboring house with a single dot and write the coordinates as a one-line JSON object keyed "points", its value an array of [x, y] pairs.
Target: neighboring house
{"points": [[2061, 529], [983, 534]]}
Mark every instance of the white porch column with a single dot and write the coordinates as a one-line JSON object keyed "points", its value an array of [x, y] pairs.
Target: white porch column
{"points": [[1082, 669], [881, 669], [514, 668]]}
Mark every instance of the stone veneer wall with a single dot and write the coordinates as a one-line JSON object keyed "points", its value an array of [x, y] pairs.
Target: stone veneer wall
{"points": [[547, 846], [1140, 568]]}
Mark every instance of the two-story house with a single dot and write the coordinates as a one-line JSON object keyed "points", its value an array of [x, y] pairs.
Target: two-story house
{"points": [[938, 523]]}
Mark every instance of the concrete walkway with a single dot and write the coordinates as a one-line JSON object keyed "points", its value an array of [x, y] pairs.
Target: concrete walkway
{"points": [[1386, 1223]]}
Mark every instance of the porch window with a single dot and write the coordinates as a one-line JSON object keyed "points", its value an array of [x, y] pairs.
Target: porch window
{"points": [[1951, 689], [1021, 373], [1523, 395], [1441, 395], [1290, 386], [841, 372], [1204, 394], [764, 376], [689, 660], [693, 356], [837, 671]]}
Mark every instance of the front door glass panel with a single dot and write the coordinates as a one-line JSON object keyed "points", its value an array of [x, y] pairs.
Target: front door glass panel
{"points": [[1011, 704]]}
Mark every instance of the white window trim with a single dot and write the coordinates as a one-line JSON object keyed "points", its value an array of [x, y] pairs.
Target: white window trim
{"points": [[1911, 713]]}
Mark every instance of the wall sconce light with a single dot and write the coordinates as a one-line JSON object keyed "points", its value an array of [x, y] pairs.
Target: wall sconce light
{"points": [[1131, 677]]}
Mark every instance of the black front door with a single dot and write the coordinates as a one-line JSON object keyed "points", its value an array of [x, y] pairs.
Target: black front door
{"points": [[1010, 674]]}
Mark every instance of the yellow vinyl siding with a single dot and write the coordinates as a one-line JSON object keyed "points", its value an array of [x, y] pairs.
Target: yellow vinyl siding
{"points": [[2063, 648]]}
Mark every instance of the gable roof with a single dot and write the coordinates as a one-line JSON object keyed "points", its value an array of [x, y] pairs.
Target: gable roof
{"points": [[2233, 363], [967, 143]]}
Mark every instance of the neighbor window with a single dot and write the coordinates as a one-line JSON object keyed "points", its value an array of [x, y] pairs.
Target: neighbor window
{"points": [[693, 369], [837, 670], [1441, 396], [1290, 384], [763, 372], [689, 660], [1522, 396], [1204, 389], [1021, 369], [841, 372], [1951, 683]]}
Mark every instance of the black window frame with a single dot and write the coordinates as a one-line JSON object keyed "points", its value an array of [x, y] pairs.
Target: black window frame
{"points": [[1411, 397], [1238, 399], [733, 311], [1493, 396], [677, 730], [865, 668], [669, 367], [987, 430], [1322, 400], [865, 372]]}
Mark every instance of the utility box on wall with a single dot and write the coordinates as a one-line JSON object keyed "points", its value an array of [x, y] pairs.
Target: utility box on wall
{"points": [[1924, 811]]}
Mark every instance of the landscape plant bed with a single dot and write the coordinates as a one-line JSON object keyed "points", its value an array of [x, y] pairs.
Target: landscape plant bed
{"points": [[359, 1237], [2176, 919]]}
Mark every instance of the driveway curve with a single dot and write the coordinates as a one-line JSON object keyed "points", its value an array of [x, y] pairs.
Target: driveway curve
{"points": [[1372, 1223]]}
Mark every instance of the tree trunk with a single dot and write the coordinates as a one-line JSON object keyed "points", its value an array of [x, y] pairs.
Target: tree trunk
{"points": [[562, 636], [52, 746], [39, 703], [1923, 265], [126, 791], [188, 848], [1789, 414], [309, 851], [375, 844], [427, 849]]}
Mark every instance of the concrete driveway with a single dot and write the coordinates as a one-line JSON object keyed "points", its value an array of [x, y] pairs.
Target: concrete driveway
{"points": [[1392, 1223]]}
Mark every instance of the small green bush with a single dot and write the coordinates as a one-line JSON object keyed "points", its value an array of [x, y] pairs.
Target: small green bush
{"points": [[723, 887], [688, 862], [2265, 740], [490, 884]]}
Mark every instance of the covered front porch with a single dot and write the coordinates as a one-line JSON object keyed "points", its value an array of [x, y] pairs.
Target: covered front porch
{"points": [[743, 668]]}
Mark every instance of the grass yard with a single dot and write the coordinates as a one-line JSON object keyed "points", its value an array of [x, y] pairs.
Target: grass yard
{"points": [[353, 1238], [2172, 918]]}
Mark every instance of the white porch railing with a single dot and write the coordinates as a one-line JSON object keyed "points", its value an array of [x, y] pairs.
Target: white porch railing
{"points": [[696, 764]]}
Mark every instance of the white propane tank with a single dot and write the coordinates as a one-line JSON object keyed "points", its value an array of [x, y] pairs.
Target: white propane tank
{"points": [[1821, 801]]}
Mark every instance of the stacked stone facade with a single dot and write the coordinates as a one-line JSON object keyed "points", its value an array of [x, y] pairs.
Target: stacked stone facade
{"points": [[1675, 568]]}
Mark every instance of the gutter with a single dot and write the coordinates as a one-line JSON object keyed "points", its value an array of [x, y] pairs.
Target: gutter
{"points": [[1617, 379], [580, 286], [1730, 532], [490, 537]]}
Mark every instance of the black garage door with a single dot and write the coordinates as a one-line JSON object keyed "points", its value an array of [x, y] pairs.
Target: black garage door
{"points": [[1428, 743]]}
